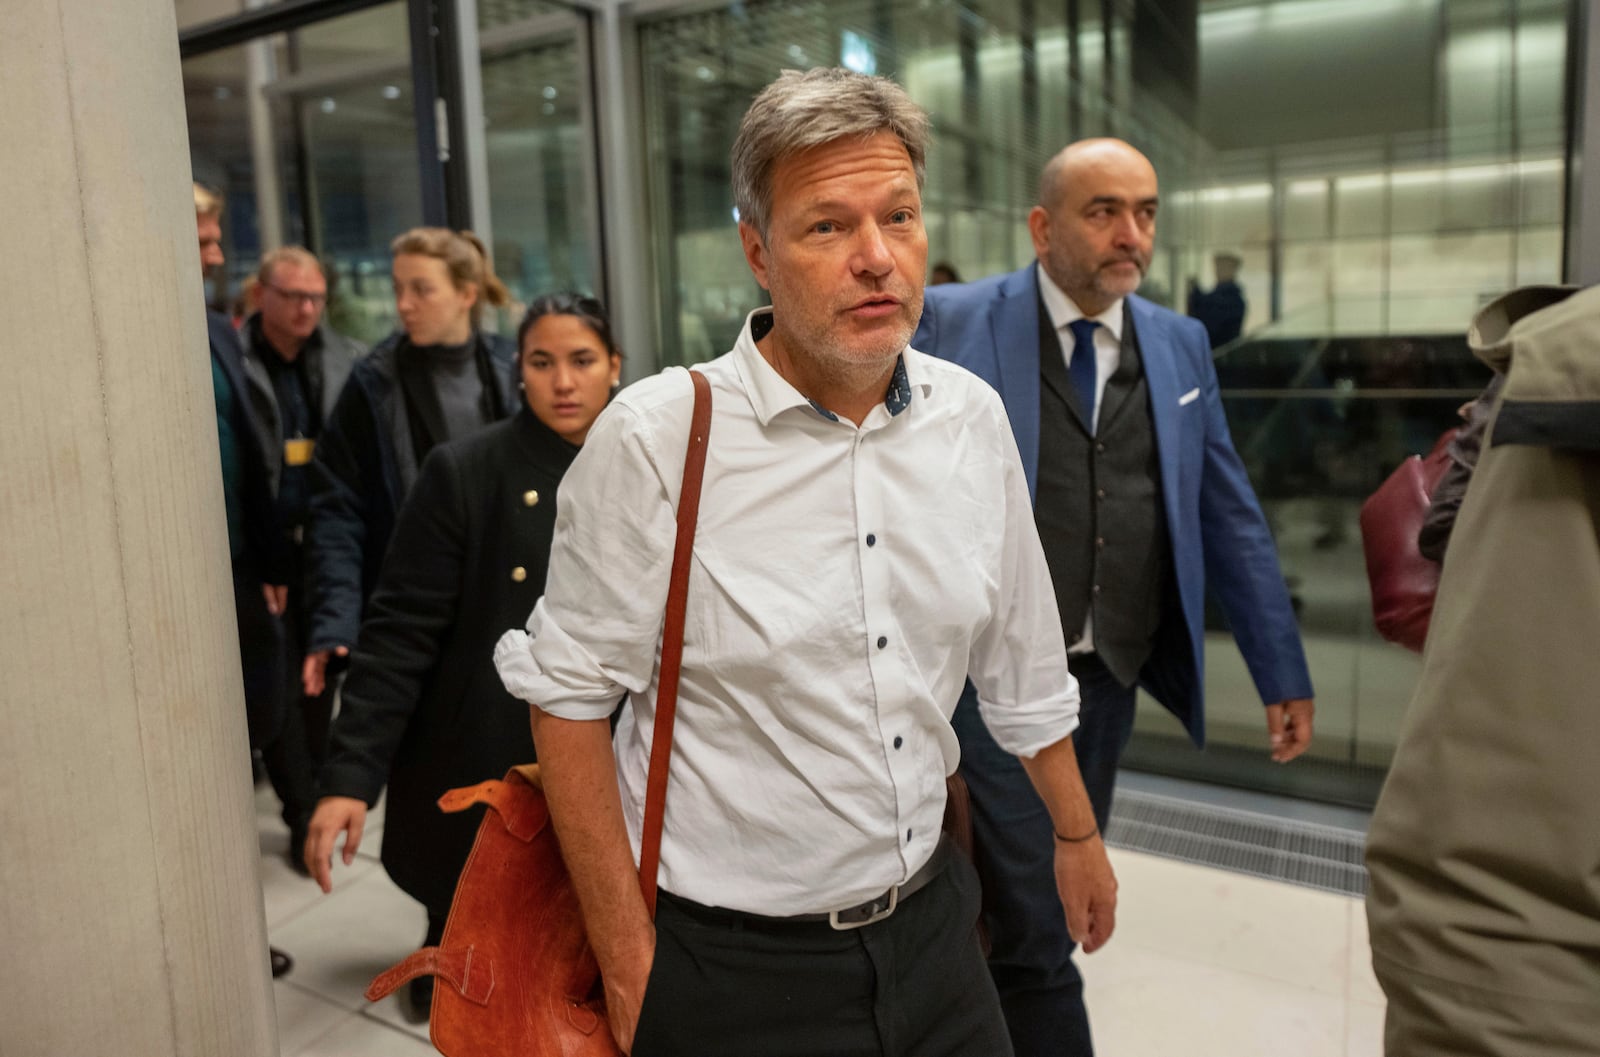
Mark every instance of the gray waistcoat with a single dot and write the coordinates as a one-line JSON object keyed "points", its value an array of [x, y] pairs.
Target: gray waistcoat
{"points": [[1099, 506]]}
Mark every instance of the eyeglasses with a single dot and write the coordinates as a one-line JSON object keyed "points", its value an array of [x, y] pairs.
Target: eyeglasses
{"points": [[298, 296]]}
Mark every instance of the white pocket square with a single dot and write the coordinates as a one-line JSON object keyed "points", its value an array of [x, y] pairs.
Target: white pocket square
{"points": [[1190, 397]]}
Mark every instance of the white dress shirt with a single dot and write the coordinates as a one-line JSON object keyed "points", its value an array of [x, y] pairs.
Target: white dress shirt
{"points": [[1063, 312], [845, 582]]}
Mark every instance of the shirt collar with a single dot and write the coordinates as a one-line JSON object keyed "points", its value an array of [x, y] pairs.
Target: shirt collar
{"points": [[771, 393], [268, 352], [1064, 311]]}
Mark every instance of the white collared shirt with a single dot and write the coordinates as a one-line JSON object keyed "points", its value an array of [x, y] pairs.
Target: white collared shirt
{"points": [[845, 582], [1063, 313]]}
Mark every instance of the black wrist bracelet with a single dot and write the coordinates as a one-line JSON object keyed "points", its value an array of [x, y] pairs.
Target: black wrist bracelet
{"points": [[1078, 840]]}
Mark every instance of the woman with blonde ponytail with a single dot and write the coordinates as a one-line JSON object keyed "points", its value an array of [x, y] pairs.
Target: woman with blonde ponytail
{"points": [[437, 379]]}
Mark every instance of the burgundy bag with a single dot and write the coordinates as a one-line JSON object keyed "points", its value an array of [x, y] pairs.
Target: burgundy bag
{"points": [[515, 972], [1403, 582]]}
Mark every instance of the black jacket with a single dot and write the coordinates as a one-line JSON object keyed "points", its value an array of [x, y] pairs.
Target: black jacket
{"points": [[423, 708], [251, 488], [1445, 503], [329, 355], [365, 464]]}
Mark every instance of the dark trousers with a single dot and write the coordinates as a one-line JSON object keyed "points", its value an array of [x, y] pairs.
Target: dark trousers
{"points": [[1031, 952], [911, 985], [293, 757], [261, 658]]}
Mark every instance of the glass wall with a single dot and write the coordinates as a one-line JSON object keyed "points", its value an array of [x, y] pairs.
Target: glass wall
{"points": [[343, 99], [1380, 168], [539, 132], [216, 95], [312, 136]]}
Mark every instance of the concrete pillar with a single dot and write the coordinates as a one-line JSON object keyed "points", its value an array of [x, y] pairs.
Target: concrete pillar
{"points": [[131, 919]]}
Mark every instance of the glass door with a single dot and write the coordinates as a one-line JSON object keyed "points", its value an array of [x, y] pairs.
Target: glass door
{"points": [[344, 107], [539, 148], [315, 136]]}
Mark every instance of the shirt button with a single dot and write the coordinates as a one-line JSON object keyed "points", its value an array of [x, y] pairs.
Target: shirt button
{"points": [[898, 740], [908, 836], [1099, 493], [883, 641], [519, 574], [530, 498], [1096, 589], [1099, 543], [871, 539], [1099, 446]]}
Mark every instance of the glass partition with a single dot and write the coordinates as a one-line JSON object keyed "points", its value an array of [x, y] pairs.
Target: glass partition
{"points": [[539, 135], [348, 151], [1378, 168], [216, 94], [311, 136]]}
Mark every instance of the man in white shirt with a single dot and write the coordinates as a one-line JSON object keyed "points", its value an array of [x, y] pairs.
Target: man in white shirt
{"points": [[864, 543]]}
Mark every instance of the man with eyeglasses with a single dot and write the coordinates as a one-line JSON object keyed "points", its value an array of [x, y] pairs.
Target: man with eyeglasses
{"points": [[295, 366]]}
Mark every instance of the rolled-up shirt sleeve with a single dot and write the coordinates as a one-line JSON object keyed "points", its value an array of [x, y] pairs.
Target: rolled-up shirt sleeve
{"points": [[1018, 664], [595, 631]]}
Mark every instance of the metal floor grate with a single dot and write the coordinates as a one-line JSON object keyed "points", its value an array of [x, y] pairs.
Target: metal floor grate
{"points": [[1303, 853]]}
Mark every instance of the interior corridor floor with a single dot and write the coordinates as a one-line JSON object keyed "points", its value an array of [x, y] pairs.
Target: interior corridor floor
{"points": [[1204, 963]]}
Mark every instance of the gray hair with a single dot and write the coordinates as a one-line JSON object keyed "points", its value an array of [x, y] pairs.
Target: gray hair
{"points": [[799, 111]]}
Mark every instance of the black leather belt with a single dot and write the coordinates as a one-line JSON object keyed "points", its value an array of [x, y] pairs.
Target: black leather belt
{"points": [[853, 917]]}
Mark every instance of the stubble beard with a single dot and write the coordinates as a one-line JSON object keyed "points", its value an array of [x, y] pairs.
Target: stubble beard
{"points": [[1114, 288], [849, 366], [1098, 283]]}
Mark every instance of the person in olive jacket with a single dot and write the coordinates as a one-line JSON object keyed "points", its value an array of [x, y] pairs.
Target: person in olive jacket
{"points": [[439, 379], [423, 709]]}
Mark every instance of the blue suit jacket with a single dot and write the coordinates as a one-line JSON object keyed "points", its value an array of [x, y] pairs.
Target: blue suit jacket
{"points": [[1215, 525]]}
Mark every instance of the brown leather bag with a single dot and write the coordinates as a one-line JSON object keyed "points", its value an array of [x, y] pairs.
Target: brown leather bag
{"points": [[516, 975], [1403, 582]]}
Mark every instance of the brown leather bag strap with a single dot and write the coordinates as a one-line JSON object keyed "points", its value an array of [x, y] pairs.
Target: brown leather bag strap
{"points": [[655, 800]]}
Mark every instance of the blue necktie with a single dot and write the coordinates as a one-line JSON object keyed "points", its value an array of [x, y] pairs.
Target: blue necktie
{"points": [[1082, 367]]}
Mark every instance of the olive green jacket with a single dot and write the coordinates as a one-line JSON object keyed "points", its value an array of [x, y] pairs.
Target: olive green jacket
{"points": [[1484, 850]]}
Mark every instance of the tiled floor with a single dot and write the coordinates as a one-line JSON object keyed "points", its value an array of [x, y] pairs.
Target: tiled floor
{"points": [[1203, 963]]}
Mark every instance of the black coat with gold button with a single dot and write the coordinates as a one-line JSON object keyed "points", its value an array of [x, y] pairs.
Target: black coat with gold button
{"points": [[422, 707]]}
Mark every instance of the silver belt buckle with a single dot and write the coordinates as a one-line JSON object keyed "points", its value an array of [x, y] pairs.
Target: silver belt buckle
{"points": [[878, 913]]}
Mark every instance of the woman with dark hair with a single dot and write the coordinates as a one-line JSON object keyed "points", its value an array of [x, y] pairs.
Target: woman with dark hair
{"points": [[422, 708]]}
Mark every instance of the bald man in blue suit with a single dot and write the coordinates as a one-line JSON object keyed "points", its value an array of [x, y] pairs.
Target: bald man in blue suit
{"points": [[1141, 502]]}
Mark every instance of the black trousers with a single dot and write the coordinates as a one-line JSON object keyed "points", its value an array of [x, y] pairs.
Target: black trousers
{"points": [[294, 756], [911, 985], [261, 657], [1040, 988]]}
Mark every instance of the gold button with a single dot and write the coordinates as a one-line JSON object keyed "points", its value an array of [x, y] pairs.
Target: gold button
{"points": [[530, 498], [519, 574]]}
